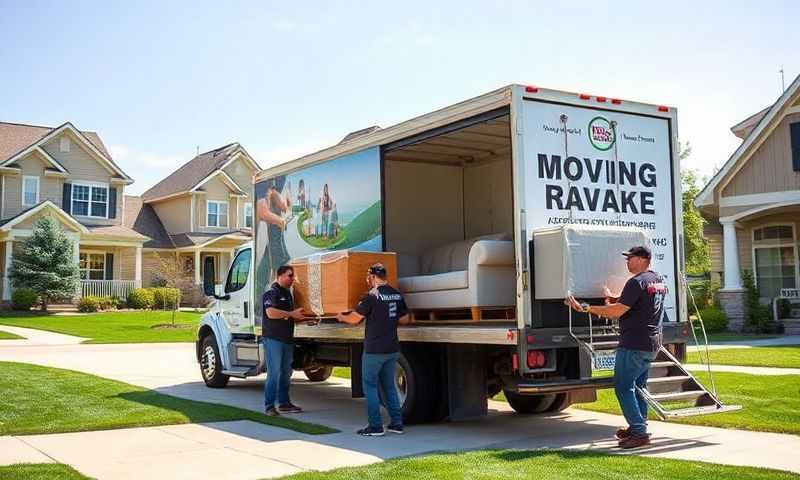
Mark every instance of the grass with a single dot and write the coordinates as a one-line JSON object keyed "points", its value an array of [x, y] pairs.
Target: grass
{"points": [[786, 356], [9, 336], [732, 337], [40, 471], [341, 372], [112, 327], [55, 401], [769, 403], [549, 464]]}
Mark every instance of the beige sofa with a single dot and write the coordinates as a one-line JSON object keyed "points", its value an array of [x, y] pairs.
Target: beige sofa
{"points": [[474, 273]]}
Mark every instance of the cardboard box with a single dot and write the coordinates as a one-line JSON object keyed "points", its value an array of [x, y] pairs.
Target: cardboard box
{"points": [[329, 283]]}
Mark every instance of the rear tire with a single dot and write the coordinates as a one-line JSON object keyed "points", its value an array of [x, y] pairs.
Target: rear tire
{"points": [[211, 363], [560, 403], [416, 382], [318, 374], [527, 404]]}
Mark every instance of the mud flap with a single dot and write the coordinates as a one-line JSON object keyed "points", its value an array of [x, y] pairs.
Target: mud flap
{"points": [[466, 381]]}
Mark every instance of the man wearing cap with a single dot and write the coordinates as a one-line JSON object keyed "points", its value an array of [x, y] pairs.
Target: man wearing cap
{"points": [[384, 308], [640, 310]]}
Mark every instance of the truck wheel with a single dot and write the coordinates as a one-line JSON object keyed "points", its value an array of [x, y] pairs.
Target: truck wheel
{"points": [[415, 381], [560, 403], [318, 374], [529, 403], [211, 363]]}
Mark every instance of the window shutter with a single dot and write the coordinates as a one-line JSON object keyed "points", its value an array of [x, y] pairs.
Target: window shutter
{"points": [[109, 266], [112, 202], [66, 199], [794, 132]]}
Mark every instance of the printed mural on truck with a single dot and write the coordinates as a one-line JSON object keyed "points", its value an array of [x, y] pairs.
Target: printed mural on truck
{"points": [[335, 205], [601, 168]]}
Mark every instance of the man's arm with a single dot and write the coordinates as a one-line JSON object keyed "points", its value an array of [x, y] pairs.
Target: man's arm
{"points": [[352, 318], [614, 310], [278, 314], [405, 320]]}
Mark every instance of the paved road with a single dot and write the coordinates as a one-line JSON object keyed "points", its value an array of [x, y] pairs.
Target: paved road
{"points": [[248, 450]]}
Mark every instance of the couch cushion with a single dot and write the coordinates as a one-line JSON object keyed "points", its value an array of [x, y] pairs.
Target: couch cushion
{"points": [[453, 256], [433, 283]]}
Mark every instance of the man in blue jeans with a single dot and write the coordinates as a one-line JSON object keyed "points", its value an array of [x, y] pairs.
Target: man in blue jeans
{"points": [[640, 309], [278, 336], [384, 308]]}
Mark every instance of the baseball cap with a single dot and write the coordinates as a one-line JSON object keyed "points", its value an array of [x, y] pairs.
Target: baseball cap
{"points": [[638, 251], [378, 270]]}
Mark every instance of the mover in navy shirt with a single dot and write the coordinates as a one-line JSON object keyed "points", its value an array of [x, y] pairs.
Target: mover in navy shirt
{"points": [[640, 310], [383, 308]]}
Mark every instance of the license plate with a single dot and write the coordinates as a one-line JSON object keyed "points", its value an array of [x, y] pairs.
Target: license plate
{"points": [[605, 360]]}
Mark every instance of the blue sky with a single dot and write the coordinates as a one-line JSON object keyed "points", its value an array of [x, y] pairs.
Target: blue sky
{"points": [[159, 79]]}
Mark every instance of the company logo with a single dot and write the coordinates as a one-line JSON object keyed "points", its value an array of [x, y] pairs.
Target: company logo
{"points": [[601, 134]]}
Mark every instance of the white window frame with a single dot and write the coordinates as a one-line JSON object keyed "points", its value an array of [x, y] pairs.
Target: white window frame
{"points": [[89, 202], [247, 206], [218, 203], [64, 144], [25, 178], [777, 244], [88, 262]]}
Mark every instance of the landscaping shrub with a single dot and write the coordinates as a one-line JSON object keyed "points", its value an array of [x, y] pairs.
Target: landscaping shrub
{"points": [[166, 298], [704, 293], [109, 303], [23, 299], [141, 298], [714, 319], [89, 303], [759, 317]]}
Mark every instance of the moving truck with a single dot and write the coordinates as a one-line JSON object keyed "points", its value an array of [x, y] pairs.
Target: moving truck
{"points": [[459, 195]]}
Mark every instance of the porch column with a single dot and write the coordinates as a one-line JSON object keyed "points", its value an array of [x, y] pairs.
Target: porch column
{"points": [[197, 267], [76, 259], [138, 270], [7, 265], [730, 252]]}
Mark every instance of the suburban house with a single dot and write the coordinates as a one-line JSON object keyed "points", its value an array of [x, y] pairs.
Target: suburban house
{"points": [[200, 213], [68, 174], [752, 205]]}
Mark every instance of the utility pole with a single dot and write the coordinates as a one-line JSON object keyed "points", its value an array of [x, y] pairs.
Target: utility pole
{"points": [[197, 148], [783, 81]]}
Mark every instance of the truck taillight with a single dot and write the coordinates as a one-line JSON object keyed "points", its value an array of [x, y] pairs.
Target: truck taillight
{"points": [[536, 359]]}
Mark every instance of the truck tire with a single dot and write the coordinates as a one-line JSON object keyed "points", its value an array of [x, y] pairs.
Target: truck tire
{"points": [[527, 404], [417, 387], [211, 363], [560, 403], [318, 374]]}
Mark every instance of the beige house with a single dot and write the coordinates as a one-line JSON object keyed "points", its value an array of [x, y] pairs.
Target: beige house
{"points": [[200, 213], [752, 206], [68, 174]]}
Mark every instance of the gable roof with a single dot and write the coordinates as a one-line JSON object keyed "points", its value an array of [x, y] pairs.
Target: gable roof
{"points": [[66, 218], [748, 122], [143, 219], [193, 173], [764, 126], [18, 139]]}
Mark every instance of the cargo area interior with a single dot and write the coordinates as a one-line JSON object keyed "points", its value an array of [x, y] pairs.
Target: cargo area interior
{"points": [[448, 216]]}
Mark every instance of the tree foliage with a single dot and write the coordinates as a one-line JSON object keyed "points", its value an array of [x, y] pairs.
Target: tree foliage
{"points": [[695, 246], [45, 263]]}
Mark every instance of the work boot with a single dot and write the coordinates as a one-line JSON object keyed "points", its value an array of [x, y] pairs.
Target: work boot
{"points": [[271, 412], [623, 433], [634, 441]]}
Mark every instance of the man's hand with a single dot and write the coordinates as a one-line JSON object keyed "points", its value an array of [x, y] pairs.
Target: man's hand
{"points": [[340, 317], [297, 314], [574, 304]]}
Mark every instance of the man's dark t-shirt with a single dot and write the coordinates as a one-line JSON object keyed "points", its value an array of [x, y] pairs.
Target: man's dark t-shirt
{"points": [[382, 307], [641, 325], [278, 329]]}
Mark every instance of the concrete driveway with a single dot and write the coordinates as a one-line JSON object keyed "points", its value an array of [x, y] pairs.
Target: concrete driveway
{"points": [[171, 369]]}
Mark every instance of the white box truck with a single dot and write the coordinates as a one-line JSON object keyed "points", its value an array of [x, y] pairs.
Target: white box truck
{"points": [[458, 194]]}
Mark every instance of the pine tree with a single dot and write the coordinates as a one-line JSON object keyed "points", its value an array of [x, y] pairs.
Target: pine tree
{"points": [[45, 264]]}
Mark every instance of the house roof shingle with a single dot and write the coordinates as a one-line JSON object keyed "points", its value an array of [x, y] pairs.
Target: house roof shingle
{"points": [[17, 136], [143, 219], [192, 172], [191, 239]]}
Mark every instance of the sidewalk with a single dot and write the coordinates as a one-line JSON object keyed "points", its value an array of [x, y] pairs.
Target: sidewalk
{"points": [[764, 342], [744, 369], [37, 337]]}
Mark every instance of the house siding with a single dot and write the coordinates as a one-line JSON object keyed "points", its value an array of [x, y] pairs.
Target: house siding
{"points": [[242, 173], [174, 214], [769, 169], [214, 190]]}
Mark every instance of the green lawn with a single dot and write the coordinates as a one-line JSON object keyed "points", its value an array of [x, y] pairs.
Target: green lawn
{"points": [[9, 336], [732, 337], [779, 356], [770, 403], [545, 464], [341, 372], [40, 471], [113, 327], [38, 399]]}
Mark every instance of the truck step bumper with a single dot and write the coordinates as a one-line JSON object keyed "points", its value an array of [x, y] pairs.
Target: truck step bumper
{"points": [[564, 386]]}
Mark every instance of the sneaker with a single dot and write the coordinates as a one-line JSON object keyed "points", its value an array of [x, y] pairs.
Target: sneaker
{"points": [[395, 429], [371, 431], [623, 433], [634, 441], [271, 412], [289, 408]]}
